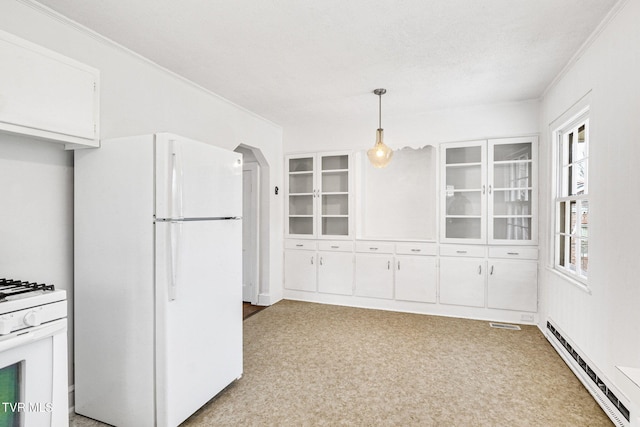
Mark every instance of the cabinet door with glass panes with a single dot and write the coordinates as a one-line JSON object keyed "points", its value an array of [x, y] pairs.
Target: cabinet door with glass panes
{"points": [[512, 191], [319, 195], [464, 189]]}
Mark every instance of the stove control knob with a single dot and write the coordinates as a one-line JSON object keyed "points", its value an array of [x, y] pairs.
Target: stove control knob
{"points": [[5, 325], [32, 319]]}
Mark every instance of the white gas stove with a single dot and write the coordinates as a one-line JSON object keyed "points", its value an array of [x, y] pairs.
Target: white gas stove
{"points": [[33, 354], [24, 305]]}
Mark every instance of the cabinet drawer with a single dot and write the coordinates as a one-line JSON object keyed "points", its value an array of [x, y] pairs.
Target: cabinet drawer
{"points": [[375, 247], [513, 252], [336, 246], [459, 250], [416, 249], [300, 244]]}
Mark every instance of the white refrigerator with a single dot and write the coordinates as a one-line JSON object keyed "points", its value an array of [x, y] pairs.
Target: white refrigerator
{"points": [[158, 278]]}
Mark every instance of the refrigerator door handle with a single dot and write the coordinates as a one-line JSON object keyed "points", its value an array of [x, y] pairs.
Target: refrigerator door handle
{"points": [[176, 181], [175, 234]]}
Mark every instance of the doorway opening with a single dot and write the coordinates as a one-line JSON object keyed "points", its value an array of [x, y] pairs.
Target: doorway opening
{"points": [[255, 225]]}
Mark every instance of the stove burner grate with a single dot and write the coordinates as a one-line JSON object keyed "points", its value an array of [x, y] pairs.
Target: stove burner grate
{"points": [[10, 287]]}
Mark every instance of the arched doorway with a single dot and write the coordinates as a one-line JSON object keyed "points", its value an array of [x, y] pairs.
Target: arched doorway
{"points": [[255, 242]]}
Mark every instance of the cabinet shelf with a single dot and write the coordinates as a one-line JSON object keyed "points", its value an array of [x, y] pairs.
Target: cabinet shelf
{"points": [[511, 162], [300, 194], [462, 165], [301, 173], [463, 216], [511, 188], [334, 193], [328, 171], [300, 216]]}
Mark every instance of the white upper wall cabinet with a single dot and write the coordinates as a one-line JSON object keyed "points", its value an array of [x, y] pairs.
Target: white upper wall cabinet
{"points": [[47, 95], [319, 195], [489, 191]]}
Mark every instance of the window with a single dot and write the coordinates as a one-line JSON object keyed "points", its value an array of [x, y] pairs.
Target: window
{"points": [[572, 199]]}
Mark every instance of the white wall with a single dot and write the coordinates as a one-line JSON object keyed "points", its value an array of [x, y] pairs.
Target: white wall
{"points": [[420, 129], [605, 323], [36, 237]]}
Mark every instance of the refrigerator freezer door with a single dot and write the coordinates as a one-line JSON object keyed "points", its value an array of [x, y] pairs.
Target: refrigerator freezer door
{"points": [[199, 333], [196, 180]]}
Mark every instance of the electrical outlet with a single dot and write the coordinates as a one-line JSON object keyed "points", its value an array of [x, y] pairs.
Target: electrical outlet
{"points": [[526, 317]]}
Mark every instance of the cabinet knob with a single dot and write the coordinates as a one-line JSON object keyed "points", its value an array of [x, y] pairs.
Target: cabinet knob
{"points": [[388, 265], [513, 253], [398, 265], [311, 260], [480, 269], [320, 260], [491, 271]]}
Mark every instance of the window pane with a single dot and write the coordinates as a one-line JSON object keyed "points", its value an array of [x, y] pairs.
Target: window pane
{"points": [[573, 211], [464, 177], [520, 151], [578, 175], [562, 250], [512, 175], [512, 202], [464, 203], [573, 253], [584, 218], [579, 146], [584, 256], [512, 228], [463, 228], [562, 217], [464, 155]]}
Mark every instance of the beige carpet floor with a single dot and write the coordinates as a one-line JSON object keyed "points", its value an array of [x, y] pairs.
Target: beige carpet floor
{"points": [[320, 365], [310, 364]]}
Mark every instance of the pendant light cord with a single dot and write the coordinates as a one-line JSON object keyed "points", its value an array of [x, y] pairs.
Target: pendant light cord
{"points": [[380, 111]]}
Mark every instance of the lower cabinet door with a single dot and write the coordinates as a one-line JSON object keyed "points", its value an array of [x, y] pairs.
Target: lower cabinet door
{"points": [[462, 281], [513, 285], [300, 270], [335, 273], [374, 276], [416, 278]]}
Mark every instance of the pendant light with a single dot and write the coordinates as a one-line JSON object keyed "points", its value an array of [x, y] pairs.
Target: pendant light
{"points": [[380, 155]]}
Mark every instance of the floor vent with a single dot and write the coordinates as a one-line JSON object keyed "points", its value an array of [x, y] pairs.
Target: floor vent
{"points": [[505, 326], [593, 381]]}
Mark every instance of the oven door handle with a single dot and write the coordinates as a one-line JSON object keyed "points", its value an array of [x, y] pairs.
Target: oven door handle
{"points": [[36, 333]]}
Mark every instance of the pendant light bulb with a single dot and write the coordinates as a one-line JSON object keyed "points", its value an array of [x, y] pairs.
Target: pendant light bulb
{"points": [[380, 155]]}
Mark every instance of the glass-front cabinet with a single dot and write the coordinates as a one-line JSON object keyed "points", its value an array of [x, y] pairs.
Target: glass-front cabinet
{"points": [[511, 191], [319, 195], [464, 204], [488, 191]]}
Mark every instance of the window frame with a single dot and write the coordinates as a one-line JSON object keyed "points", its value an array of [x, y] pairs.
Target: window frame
{"points": [[563, 165]]}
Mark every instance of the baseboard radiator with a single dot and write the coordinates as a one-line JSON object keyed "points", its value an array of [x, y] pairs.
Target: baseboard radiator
{"points": [[612, 402]]}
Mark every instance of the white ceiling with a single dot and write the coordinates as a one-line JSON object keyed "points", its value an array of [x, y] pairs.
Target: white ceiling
{"points": [[294, 61]]}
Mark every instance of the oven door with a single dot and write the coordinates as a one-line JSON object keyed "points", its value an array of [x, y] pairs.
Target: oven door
{"points": [[33, 377]]}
